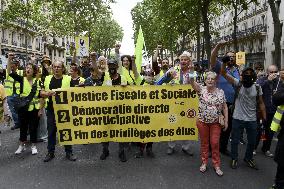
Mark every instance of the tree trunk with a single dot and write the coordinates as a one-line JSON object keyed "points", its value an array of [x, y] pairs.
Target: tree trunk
{"points": [[26, 31], [277, 34], [234, 36], [207, 36], [105, 53], [198, 42], [183, 43], [203, 51]]}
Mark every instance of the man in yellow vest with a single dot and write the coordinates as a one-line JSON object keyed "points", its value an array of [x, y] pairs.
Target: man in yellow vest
{"points": [[12, 88], [185, 64], [278, 125], [110, 79], [55, 81]]}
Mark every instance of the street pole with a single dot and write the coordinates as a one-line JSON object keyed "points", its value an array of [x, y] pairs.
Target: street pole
{"points": [[26, 32]]}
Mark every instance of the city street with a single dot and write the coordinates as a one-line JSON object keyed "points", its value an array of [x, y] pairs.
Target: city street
{"points": [[163, 172]]}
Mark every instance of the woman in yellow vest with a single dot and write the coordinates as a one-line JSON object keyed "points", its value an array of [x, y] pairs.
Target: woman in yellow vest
{"points": [[130, 72], [28, 116]]}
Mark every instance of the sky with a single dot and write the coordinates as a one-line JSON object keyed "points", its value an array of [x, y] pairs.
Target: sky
{"points": [[122, 14]]}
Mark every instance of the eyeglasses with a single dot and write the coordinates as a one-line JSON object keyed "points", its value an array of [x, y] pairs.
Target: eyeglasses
{"points": [[273, 72], [57, 67], [210, 79]]}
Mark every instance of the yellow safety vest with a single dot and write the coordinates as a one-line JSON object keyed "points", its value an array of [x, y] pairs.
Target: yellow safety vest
{"points": [[126, 73], [35, 103], [81, 80], [9, 82], [177, 68], [275, 125], [65, 83], [108, 81]]}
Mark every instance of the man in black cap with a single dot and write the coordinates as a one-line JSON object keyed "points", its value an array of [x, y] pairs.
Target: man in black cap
{"points": [[113, 78]]}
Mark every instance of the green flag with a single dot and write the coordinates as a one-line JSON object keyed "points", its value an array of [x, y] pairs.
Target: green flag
{"points": [[138, 50]]}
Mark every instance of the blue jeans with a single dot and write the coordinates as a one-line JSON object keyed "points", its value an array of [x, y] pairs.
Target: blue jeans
{"points": [[11, 102], [251, 130]]}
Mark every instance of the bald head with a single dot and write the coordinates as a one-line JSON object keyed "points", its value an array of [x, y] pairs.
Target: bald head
{"points": [[272, 69]]}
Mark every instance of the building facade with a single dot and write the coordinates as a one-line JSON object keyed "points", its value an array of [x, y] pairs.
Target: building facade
{"points": [[14, 39], [270, 30], [254, 33]]}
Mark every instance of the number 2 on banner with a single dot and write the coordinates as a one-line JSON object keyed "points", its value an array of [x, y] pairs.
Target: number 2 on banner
{"points": [[63, 116], [61, 97]]}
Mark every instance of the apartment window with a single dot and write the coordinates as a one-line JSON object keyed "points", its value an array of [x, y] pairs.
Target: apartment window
{"points": [[3, 34], [260, 45]]}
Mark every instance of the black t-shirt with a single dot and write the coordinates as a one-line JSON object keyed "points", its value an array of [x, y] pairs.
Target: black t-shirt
{"points": [[86, 72], [117, 81], [75, 82], [54, 84]]}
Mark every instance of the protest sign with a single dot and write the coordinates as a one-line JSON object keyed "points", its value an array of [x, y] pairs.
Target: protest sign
{"points": [[126, 114], [240, 58], [82, 46]]}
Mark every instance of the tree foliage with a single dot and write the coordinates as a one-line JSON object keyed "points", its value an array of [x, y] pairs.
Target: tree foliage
{"points": [[105, 34], [166, 22], [66, 18]]}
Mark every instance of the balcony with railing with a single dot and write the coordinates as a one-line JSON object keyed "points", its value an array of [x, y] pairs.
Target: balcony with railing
{"points": [[241, 18], [14, 43], [23, 45], [255, 30]]}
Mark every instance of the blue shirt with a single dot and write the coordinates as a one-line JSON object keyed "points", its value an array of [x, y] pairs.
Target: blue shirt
{"points": [[223, 84]]}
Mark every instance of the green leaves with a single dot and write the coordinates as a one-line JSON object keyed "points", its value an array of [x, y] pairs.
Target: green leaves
{"points": [[65, 18]]}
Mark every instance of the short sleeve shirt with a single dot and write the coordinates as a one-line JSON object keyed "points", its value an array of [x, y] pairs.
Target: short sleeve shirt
{"points": [[210, 105], [223, 84], [246, 103]]}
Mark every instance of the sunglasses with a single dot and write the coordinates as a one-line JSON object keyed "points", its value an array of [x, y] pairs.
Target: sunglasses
{"points": [[273, 72]]}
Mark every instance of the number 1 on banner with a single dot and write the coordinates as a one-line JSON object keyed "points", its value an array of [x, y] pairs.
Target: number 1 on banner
{"points": [[61, 97]]}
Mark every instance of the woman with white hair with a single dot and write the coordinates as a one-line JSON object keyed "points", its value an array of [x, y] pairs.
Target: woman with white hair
{"points": [[212, 106]]}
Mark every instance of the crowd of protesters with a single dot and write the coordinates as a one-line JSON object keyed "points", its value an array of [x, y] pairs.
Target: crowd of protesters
{"points": [[231, 101]]}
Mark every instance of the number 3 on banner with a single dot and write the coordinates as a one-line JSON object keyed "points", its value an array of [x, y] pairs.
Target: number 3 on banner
{"points": [[61, 97]]}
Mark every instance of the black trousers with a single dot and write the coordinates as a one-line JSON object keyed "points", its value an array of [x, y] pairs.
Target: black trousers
{"points": [[268, 134], [28, 121], [142, 146], [225, 135], [121, 146], [279, 179], [51, 129]]}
